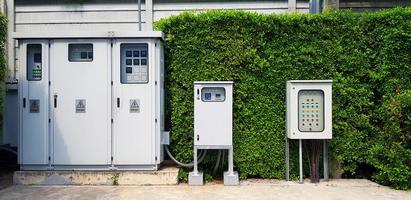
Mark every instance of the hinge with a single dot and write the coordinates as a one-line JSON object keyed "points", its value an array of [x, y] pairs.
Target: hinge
{"points": [[112, 120], [111, 44], [49, 45], [49, 82]]}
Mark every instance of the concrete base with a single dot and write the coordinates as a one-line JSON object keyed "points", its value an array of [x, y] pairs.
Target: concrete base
{"points": [[231, 179], [165, 176], [195, 178]]}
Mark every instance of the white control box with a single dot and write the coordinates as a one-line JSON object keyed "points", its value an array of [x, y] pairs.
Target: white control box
{"points": [[213, 114], [309, 109]]}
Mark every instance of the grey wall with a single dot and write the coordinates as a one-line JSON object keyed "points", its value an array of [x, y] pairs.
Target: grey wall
{"points": [[10, 118]]}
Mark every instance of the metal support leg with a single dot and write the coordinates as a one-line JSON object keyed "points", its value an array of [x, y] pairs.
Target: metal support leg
{"points": [[301, 159], [230, 161], [195, 161], [195, 177], [230, 176], [325, 156], [287, 160]]}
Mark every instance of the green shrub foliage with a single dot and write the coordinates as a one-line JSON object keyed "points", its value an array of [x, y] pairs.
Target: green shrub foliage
{"points": [[3, 34], [368, 56]]}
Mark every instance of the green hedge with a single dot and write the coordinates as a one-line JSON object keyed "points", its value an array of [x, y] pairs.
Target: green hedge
{"points": [[3, 34], [367, 55]]}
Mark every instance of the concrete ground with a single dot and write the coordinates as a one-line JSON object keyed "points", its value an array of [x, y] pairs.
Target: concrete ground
{"points": [[249, 189], [6, 179]]}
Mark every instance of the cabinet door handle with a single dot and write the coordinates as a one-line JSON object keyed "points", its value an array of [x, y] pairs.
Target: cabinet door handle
{"points": [[24, 102], [55, 101], [118, 102]]}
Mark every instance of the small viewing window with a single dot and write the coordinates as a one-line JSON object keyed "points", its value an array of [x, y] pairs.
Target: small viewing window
{"points": [[34, 62], [213, 94], [80, 52]]}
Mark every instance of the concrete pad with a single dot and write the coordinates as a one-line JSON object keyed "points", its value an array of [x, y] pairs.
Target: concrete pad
{"points": [[195, 178], [231, 179], [165, 176], [253, 189]]}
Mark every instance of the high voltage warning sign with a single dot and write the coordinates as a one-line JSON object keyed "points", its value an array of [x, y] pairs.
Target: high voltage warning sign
{"points": [[80, 105], [34, 106], [134, 105]]}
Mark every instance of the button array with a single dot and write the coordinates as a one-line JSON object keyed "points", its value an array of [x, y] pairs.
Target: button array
{"points": [[136, 66], [310, 111], [36, 73]]}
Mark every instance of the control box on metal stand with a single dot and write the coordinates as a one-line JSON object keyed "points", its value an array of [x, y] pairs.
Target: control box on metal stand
{"points": [[213, 118], [309, 116]]}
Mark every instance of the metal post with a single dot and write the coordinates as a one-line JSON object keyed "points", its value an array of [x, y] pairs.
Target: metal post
{"points": [[139, 15], [292, 5], [149, 15], [315, 6], [301, 159], [287, 160], [230, 161], [325, 152], [195, 161]]}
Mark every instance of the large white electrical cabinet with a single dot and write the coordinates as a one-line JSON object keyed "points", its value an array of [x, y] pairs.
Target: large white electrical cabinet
{"points": [[91, 101]]}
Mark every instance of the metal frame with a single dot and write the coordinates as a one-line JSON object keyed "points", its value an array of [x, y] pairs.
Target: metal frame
{"points": [[300, 160], [230, 157]]}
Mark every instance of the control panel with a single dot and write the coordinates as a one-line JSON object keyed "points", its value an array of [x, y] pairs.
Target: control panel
{"points": [[213, 94], [134, 63], [309, 109], [34, 62]]}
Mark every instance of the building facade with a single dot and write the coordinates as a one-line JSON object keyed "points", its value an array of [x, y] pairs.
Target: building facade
{"points": [[125, 15]]}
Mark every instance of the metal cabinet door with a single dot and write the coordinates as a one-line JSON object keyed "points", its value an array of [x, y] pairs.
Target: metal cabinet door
{"points": [[212, 120], [81, 101], [134, 102], [33, 99]]}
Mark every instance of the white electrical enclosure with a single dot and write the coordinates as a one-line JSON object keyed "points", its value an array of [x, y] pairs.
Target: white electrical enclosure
{"points": [[91, 101], [34, 103], [213, 102], [80, 94], [138, 111], [213, 125], [309, 109]]}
